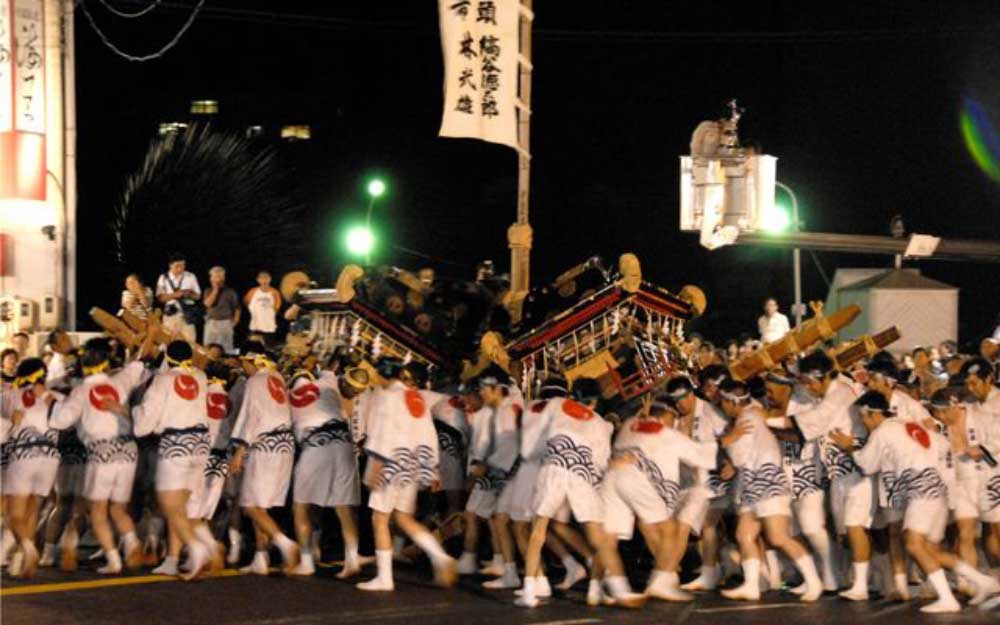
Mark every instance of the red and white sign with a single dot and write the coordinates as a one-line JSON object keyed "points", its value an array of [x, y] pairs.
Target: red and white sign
{"points": [[22, 100]]}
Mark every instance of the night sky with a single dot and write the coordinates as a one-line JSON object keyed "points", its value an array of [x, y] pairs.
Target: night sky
{"points": [[859, 100]]}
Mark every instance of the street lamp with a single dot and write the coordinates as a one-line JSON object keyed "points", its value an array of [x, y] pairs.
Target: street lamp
{"points": [[796, 253], [360, 241], [376, 188]]}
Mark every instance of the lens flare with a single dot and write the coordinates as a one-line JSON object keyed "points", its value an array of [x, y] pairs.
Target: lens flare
{"points": [[981, 138]]}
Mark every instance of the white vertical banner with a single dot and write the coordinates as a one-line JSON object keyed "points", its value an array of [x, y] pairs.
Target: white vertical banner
{"points": [[29, 66], [479, 39], [6, 67]]}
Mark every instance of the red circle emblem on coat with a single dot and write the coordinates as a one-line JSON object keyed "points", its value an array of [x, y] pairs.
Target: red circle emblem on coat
{"points": [[415, 403], [186, 386], [99, 393], [218, 405], [28, 398], [302, 396], [577, 410], [648, 426], [539, 406], [919, 434], [277, 389]]}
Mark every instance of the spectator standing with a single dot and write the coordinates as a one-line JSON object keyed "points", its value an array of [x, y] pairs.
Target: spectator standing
{"points": [[772, 325], [21, 341], [8, 365], [222, 310], [137, 298], [263, 301], [179, 293]]}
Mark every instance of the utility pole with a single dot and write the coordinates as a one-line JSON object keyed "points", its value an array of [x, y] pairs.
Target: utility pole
{"points": [[519, 234]]}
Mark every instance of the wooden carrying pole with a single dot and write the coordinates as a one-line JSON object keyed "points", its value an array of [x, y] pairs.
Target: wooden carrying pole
{"points": [[519, 234]]}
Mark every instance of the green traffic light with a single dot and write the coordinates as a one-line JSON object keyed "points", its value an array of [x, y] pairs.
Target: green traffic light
{"points": [[376, 187], [360, 241]]}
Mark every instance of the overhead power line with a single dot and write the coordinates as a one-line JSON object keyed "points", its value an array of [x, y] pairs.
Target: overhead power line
{"points": [[145, 57], [140, 13]]}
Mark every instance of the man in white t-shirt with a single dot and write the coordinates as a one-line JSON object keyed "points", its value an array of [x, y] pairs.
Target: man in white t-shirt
{"points": [[772, 325], [176, 290]]}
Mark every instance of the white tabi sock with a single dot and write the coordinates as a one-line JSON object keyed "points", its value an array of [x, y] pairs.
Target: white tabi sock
{"points": [[205, 536], [284, 544], [351, 558], [860, 576], [430, 546], [751, 574], [940, 584]]}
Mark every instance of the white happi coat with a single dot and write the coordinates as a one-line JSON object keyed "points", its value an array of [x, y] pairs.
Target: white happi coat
{"points": [[833, 412], [175, 406], [107, 437], [317, 412], [757, 458], [578, 440], [452, 427], [659, 453], [803, 461], [264, 420], [401, 435], [707, 425], [906, 408], [992, 403], [906, 460], [982, 430], [32, 438]]}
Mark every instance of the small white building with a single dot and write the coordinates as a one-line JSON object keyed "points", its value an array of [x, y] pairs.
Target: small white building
{"points": [[924, 310]]}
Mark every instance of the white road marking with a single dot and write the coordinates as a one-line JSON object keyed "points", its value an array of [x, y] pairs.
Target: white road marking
{"points": [[748, 608]]}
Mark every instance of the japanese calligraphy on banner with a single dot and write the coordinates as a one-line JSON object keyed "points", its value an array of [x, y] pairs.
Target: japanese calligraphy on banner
{"points": [[29, 66], [22, 100], [480, 43], [6, 67]]}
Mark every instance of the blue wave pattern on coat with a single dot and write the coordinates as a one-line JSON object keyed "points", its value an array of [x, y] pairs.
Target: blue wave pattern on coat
{"points": [[912, 484], [806, 478], [410, 466], [112, 450], [279, 441], [760, 484], [184, 443], [668, 490], [332, 431], [561, 451], [217, 465], [31, 443]]}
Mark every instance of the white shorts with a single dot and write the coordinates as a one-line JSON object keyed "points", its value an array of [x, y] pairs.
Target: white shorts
{"points": [[482, 500], [205, 498], [266, 477], [965, 498], [780, 505], [928, 517], [401, 497], [694, 505], [810, 512], [852, 501], [327, 476], [558, 487], [109, 481], [627, 493], [516, 497], [31, 476], [452, 471], [180, 472]]}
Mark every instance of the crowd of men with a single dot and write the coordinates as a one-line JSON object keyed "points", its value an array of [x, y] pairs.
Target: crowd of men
{"points": [[845, 482]]}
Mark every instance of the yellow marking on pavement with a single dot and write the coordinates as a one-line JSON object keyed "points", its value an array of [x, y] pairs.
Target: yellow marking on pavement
{"points": [[38, 589]]}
